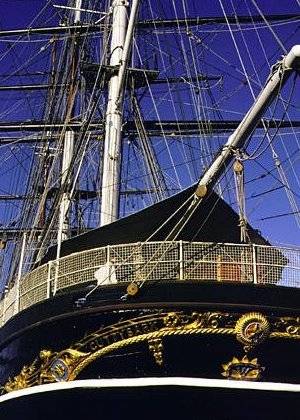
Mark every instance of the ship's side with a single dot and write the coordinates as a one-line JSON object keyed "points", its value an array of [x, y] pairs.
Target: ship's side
{"points": [[182, 309], [166, 322], [171, 347]]}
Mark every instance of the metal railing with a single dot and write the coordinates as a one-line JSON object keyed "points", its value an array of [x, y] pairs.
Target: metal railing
{"points": [[148, 261]]}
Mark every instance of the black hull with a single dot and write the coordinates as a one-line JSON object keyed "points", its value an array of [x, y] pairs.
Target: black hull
{"points": [[176, 398], [61, 323]]}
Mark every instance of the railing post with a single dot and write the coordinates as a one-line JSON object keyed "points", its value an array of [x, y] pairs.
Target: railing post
{"points": [[108, 263], [2, 314], [3, 308], [49, 279], [18, 284], [56, 267], [218, 263], [181, 261], [4, 304], [254, 262], [17, 299]]}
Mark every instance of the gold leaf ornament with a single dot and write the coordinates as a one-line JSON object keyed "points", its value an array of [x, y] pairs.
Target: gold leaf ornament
{"points": [[252, 329]]}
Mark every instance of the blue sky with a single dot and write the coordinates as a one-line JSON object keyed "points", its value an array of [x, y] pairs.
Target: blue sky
{"points": [[216, 54]]}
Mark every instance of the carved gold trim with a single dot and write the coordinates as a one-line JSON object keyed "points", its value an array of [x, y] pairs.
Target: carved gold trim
{"points": [[250, 329], [242, 369], [156, 348]]}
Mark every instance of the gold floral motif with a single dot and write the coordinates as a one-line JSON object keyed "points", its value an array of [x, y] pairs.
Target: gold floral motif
{"points": [[172, 319], [252, 329], [156, 348], [244, 369]]}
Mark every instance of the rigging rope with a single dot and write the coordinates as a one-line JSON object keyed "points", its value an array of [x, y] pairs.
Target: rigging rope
{"points": [[269, 26]]}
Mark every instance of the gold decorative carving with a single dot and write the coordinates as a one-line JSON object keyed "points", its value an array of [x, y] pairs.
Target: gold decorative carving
{"points": [[244, 369], [286, 327], [250, 329], [156, 348], [48, 367], [132, 289], [25, 379]]}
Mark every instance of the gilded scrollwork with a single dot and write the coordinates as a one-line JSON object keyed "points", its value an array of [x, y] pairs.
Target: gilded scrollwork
{"points": [[287, 327], [25, 379], [250, 329], [48, 367]]}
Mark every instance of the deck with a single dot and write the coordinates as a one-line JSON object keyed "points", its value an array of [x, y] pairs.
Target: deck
{"points": [[152, 261]]}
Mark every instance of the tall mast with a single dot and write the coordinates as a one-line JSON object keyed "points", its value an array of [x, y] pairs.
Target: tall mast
{"points": [[68, 150], [121, 39], [77, 15]]}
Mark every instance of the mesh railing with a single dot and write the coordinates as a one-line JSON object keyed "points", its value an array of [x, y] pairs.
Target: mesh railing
{"points": [[155, 261]]}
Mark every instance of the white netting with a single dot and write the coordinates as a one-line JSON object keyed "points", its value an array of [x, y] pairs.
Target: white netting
{"points": [[10, 304], [157, 261], [33, 287], [210, 261], [280, 266], [145, 261], [77, 268]]}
